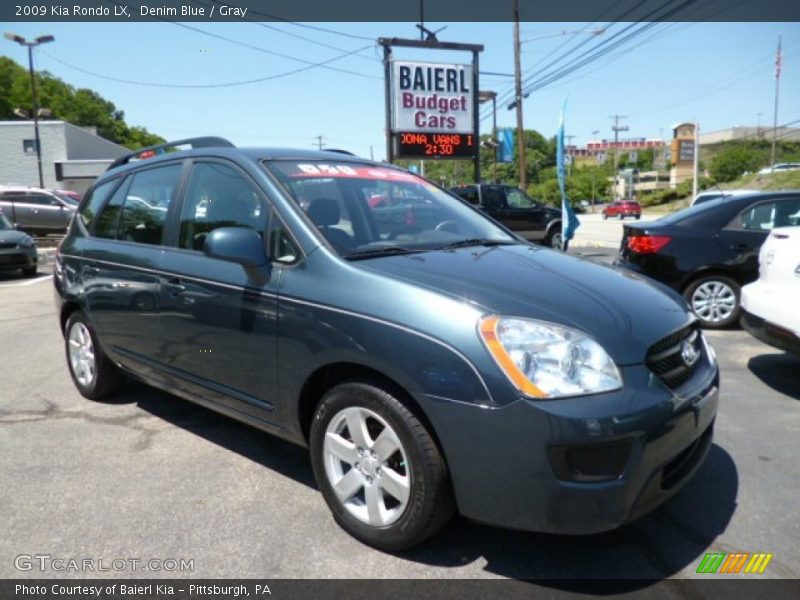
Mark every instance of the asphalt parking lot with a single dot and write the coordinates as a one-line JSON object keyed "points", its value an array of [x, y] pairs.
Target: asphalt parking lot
{"points": [[150, 476]]}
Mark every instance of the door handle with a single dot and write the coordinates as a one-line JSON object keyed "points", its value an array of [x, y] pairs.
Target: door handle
{"points": [[174, 287]]}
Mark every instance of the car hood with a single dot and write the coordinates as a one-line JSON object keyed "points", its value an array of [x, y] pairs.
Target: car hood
{"points": [[624, 312], [12, 236]]}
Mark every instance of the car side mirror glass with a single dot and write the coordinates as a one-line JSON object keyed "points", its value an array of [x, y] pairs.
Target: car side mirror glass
{"points": [[241, 245]]}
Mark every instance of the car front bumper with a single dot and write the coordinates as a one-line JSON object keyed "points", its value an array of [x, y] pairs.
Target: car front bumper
{"points": [[538, 465], [18, 258]]}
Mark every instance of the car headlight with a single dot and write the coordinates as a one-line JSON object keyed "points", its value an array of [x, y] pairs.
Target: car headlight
{"points": [[27, 242], [545, 360]]}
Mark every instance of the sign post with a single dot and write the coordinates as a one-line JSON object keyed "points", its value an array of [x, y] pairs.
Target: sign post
{"points": [[431, 108]]}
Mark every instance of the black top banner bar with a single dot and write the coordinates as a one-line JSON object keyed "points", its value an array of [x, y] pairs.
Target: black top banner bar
{"points": [[399, 10]]}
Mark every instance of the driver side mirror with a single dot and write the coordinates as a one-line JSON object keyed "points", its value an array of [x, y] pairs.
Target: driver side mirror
{"points": [[241, 245]]}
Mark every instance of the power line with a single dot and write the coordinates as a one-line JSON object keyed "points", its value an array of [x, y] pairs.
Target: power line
{"points": [[199, 85], [273, 53]]}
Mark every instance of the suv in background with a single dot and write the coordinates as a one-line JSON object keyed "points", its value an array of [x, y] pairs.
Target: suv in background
{"points": [[36, 211], [622, 209], [516, 210]]}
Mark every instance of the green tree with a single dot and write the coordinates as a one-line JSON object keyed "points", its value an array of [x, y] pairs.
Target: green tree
{"points": [[82, 107], [730, 162]]}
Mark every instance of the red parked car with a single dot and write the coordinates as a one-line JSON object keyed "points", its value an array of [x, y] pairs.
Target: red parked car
{"points": [[622, 209]]}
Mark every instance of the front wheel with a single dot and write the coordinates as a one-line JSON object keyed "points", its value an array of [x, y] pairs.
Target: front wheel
{"points": [[715, 301], [605, 216], [378, 468], [621, 216]]}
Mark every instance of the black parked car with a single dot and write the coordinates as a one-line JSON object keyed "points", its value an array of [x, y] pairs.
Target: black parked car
{"points": [[708, 251], [430, 359], [516, 210]]}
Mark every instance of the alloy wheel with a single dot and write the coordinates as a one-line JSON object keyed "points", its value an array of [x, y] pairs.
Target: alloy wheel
{"points": [[714, 301], [367, 466], [81, 354]]}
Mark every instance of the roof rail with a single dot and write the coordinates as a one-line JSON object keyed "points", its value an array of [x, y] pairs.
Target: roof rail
{"points": [[150, 151], [339, 151]]}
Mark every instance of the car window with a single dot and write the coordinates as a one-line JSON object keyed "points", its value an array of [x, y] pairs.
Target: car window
{"points": [[360, 208], [146, 202], [493, 197], [218, 196], [107, 222], [516, 199], [95, 202], [767, 215], [281, 246], [470, 194], [41, 199]]}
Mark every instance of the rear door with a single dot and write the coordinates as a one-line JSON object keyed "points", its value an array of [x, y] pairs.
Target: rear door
{"points": [[743, 236], [121, 266]]}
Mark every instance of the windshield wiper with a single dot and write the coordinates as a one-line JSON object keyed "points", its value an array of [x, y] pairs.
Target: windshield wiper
{"points": [[476, 242], [380, 251]]}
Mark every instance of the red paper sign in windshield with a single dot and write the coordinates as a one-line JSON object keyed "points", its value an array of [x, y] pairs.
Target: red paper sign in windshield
{"points": [[351, 171]]}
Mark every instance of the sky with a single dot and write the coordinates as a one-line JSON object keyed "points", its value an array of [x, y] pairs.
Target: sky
{"points": [[717, 74]]}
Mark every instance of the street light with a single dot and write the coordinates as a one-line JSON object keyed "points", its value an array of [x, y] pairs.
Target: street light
{"points": [[42, 39]]}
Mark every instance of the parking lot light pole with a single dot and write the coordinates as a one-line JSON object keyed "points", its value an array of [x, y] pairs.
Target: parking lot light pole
{"points": [[42, 39]]}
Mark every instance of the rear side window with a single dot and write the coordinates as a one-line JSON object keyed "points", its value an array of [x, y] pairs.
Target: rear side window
{"points": [[107, 223], [146, 203], [95, 202], [765, 216], [516, 199]]}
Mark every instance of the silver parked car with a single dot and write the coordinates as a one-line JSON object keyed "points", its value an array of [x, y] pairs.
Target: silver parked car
{"points": [[35, 210]]}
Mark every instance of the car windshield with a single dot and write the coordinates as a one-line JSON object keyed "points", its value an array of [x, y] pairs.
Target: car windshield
{"points": [[364, 210], [5, 223]]}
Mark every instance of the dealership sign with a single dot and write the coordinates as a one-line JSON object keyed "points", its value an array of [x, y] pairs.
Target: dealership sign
{"points": [[432, 98]]}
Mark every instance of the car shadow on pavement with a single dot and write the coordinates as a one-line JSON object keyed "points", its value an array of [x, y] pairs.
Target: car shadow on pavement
{"points": [[778, 371], [638, 555], [268, 450]]}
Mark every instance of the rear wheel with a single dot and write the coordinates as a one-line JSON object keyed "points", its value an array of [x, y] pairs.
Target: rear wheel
{"points": [[605, 216], [29, 271], [378, 468], [95, 376], [714, 299], [621, 216]]}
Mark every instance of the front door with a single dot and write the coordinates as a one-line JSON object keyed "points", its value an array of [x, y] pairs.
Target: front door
{"points": [[218, 318]]}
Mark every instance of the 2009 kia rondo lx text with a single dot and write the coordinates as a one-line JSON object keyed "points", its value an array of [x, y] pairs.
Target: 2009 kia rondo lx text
{"points": [[431, 360]]}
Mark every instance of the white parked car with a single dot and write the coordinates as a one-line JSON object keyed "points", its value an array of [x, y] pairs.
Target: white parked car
{"points": [[770, 304], [779, 168]]}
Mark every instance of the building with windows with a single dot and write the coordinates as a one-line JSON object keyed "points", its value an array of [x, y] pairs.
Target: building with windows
{"points": [[72, 156]]}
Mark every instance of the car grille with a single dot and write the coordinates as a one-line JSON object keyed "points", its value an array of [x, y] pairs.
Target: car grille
{"points": [[7, 245], [666, 359]]}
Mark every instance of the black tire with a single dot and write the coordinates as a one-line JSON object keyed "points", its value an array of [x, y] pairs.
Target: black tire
{"points": [[621, 216], [30, 271], [430, 500], [553, 238], [605, 216], [638, 217], [715, 323], [107, 378]]}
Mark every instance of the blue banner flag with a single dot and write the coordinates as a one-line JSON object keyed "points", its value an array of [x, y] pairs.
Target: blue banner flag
{"points": [[506, 150], [569, 222]]}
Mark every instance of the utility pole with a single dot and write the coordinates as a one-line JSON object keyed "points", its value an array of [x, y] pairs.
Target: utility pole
{"points": [[616, 128], [42, 39], [775, 116], [319, 142], [523, 183]]}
